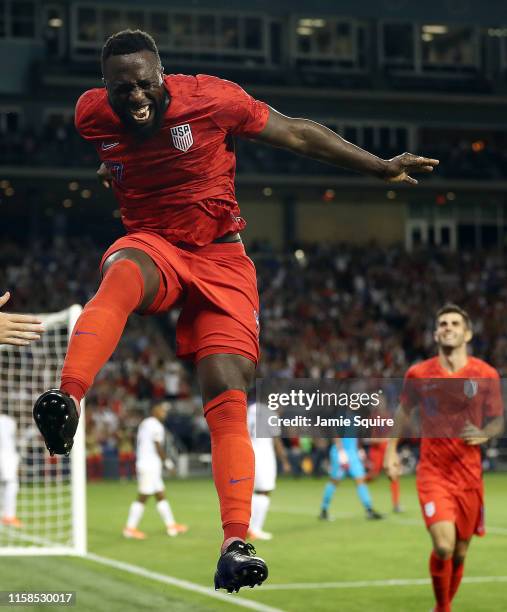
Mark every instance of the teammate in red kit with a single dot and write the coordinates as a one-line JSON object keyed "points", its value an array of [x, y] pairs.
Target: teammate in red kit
{"points": [[166, 143], [460, 400], [376, 452], [377, 446]]}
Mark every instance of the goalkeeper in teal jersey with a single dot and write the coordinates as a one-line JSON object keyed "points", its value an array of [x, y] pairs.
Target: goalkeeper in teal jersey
{"points": [[344, 460]]}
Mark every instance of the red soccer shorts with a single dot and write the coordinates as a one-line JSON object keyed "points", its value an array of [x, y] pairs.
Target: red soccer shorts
{"points": [[464, 508], [376, 454], [216, 288]]}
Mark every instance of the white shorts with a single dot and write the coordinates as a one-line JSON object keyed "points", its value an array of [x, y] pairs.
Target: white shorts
{"points": [[265, 467], [8, 468], [149, 480]]}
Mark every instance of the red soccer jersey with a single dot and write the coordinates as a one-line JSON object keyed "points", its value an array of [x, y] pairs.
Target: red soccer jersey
{"points": [[180, 182], [470, 394]]}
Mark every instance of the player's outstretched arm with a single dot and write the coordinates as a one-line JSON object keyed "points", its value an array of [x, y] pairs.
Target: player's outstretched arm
{"points": [[18, 329], [318, 142]]}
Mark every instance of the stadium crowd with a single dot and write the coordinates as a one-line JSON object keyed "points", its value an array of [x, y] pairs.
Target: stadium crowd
{"points": [[326, 311], [57, 143]]}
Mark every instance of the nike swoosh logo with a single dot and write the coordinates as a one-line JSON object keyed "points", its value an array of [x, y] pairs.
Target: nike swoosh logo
{"points": [[235, 481], [80, 333], [110, 145]]}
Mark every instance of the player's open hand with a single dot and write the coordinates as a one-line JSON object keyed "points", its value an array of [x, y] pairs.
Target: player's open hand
{"points": [[472, 435], [105, 176], [18, 329], [399, 168], [392, 465], [343, 458]]}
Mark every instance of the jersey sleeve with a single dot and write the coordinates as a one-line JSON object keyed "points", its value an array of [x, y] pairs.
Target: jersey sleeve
{"points": [[92, 117], [236, 111], [83, 115], [409, 396], [494, 405]]}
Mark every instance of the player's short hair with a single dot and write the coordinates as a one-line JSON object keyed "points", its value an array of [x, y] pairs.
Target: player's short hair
{"points": [[128, 41], [457, 309], [158, 403]]}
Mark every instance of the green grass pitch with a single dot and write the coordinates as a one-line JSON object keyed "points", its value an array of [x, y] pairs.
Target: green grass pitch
{"points": [[304, 550]]}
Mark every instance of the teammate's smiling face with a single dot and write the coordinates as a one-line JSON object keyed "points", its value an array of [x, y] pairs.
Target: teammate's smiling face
{"points": [[136, 91], [452, 331]]}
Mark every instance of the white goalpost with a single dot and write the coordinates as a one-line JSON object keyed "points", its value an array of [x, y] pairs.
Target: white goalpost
{"points": [[51, 500]]}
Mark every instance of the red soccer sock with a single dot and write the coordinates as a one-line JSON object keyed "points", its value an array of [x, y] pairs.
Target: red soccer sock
{"points": [[232, 460], [99, 328], [441, 572], [457, 575], [395, 492]]}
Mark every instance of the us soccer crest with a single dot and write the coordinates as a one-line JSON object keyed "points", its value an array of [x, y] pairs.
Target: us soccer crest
{"points": [[470, 388], [429, 509], [182, 137]]}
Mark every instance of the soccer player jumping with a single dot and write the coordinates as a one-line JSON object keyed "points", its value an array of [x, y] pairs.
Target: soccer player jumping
{"points": [[449, 475], [167, 147]]}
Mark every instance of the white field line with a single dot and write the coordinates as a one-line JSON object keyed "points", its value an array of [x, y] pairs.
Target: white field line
{"points": [[495, 530], [413, 521], [238, 601], [314, 513], [234, 600], [361, 584], [395, 519]]}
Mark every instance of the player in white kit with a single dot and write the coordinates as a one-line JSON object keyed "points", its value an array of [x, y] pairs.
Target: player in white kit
{"points": [[9, 463], [150, 460], [266, 451]]}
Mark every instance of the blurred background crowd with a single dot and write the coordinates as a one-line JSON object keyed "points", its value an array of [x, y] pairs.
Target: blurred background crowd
{"points": [[327, 311], [350, 270]]}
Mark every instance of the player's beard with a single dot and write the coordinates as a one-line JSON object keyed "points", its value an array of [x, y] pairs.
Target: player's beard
{"points": [[143, 132]]}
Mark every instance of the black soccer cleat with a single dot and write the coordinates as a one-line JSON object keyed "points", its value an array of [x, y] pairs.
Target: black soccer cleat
{"points": [[56, 417], [324, 514], [239, 566], [372, 515]]}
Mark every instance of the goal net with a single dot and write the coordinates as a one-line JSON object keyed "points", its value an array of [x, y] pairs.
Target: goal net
{"points": [[50, 499]]}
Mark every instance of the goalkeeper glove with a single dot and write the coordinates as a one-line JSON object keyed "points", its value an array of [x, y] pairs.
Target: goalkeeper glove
{"points": [[343, 458]]}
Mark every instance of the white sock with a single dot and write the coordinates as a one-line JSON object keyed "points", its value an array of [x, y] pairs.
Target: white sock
{"points": [[2, 498], [135, 514], [10, 496], [166, 514], [260, 505]]}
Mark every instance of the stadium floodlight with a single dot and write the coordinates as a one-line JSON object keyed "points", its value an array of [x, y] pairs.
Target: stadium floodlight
{"points": [[51, 499]]}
